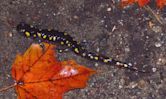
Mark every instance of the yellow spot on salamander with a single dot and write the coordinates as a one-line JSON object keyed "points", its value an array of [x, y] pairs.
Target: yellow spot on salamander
{"points": [[27, 34], [38, 34], [110, 59], [49, 29], [44, 36], [54, 38], [96, 57], [60, 51], [34, 35], [31, 26], [105, 60], [76, 50], [119, 63], [65, 33], [83, 54], [125, 65], [68, 44], [91, 57], [67, 41], [62, 42], [50, 38]]}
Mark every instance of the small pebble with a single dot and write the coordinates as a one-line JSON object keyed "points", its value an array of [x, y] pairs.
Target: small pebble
{"points": [[120, 86], [141, 84], [108, 9], [75, 17], [156, 29], [10, 34], [98, 49], [154, 69], [114, 28], [158, 44], [127, 49], [96, 64]]}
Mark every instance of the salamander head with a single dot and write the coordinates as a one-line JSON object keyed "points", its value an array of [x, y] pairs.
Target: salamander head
{"points": [[25, 29]]}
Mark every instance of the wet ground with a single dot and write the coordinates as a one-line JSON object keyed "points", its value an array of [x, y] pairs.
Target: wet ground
{"points": [[132, 35]]}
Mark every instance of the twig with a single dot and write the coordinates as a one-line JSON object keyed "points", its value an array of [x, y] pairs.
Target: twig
{"points": [[157, 17], [8, 87]]}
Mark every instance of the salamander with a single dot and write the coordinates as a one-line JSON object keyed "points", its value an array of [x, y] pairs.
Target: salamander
{"points": [[63, 38]]}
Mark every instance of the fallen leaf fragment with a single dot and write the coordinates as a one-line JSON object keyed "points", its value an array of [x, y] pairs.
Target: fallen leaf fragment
{"points": [[141, 3], [39, 75], [161, 3]]}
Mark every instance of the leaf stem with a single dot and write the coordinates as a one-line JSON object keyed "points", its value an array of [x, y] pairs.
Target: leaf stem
{"points": [[157, 17], [8, 87]]}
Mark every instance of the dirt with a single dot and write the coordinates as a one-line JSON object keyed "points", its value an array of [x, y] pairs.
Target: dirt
{"points": [[131, 34]]}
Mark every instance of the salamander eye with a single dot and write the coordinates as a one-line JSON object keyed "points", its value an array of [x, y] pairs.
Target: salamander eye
{"points": [[21, 27]]}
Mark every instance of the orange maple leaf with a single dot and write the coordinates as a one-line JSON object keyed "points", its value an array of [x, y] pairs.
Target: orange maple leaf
{"points": [[38, 74], [141, 3], [161, 3]]}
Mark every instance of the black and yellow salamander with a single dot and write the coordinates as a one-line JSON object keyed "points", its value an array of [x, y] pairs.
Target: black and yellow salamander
{"points": [[62, 38]]}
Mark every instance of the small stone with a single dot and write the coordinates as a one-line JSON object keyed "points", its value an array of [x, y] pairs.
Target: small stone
{"points": [[120, 86], [98, 49], [114, 28], [96, 64], [108, 9], [156, 29], [127, 49], [158, 44], [161, 61], [134, 85], [10, 34], [147, 37], [54, 14], [44, 3], [102, 21], [154, 69], [141, 84], [75, 17]]}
